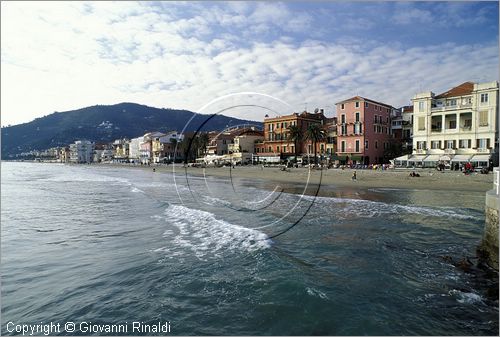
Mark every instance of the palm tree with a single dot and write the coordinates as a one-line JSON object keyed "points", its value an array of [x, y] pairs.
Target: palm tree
{"points": [[296, 135], [203, 140], [315, 134]]}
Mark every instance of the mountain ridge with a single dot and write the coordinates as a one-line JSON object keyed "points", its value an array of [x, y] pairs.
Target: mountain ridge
{"points": [[104, 123]]}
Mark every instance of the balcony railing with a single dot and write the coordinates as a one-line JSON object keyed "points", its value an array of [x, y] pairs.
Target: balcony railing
{"points": [[421, 151], [483, 150], [449, 151], [436, 129], [465, 128]]}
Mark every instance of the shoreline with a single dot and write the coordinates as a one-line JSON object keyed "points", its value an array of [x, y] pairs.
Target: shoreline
{"points": [[430, 179]]}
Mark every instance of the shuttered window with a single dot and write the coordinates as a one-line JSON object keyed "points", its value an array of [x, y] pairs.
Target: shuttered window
{"points": [[421, 123], [483, 118]]}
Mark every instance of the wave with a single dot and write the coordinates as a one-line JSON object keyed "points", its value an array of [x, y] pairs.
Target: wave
{"points": [[370, 209], [203, 234]]}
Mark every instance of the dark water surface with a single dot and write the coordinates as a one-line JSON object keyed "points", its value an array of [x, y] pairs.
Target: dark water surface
{"points": [[113, 245]]}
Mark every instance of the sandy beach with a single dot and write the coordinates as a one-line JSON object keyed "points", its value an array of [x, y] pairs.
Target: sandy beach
{"points": [[430, 179]]}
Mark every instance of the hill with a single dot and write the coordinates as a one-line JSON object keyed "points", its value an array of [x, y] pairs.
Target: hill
{"points": [[103, 123]]}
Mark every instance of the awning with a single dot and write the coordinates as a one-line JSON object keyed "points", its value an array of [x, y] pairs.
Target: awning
{"points": [[402, 158], [480, 157], [461, 157], [355, 158], [432, 157], [341, 157], [445, 158], [416, 158]]}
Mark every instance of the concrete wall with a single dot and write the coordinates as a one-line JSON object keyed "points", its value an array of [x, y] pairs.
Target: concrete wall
{"points": [[488, 250]]}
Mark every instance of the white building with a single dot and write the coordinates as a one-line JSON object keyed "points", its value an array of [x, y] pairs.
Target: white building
{"points": [[457, 126], [81, 151], [135, 148]]}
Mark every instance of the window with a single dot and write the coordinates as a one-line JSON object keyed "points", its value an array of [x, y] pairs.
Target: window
{"points": [[278, 148], [483, 118], [375, 128], [357, 129], [270, 149], [322, 148], [357, 116], [357, 145], [435, 144], [421, 123], [286, 125], [484, 98], [357, 104], [452, 124], [343, 130], [450, 144], [421, 106], [366, 104], [481, 143], [464, 143], [421, 145], [366, 144], [342, 118], [468, 123], [342, 146], [376, 144], [375, 118], [342, 106], [451, 102], [277, 125]]}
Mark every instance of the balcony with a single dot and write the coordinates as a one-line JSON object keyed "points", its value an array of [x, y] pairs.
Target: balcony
{"points": [[421, 151], [449, 151], [483, 150], [436, 129], [465, 128]]}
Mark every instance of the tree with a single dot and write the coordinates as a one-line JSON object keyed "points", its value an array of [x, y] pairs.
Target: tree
{"points": [[315, 134], [203, 141], [296, 135]]}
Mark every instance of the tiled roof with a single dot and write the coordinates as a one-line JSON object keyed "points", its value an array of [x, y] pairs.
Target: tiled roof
{"points": [[359, 98], [463, 89]]}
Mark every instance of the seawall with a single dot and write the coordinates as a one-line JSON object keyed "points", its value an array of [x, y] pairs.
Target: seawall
{"points": [[488, 249]]}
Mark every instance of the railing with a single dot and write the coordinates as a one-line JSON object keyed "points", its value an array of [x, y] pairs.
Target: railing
{"points": [[421, 151], [449, 151], [465, 128], [496, 179], [483, 150]]}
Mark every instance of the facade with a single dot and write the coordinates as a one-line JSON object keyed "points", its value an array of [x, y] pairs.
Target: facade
{"points": [[135, 148], [278, 144], [81, 151], [64, 155], [363, 130], [166, 148], [407, 128], [457, 126], [121, 149]]}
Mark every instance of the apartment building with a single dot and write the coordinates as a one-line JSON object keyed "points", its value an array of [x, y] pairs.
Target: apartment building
{"points": [[81, 151], [456, 126], [278, 144], [363, 130]]}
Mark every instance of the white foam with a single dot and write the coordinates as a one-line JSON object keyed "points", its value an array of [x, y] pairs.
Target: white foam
{"points": [[316, 292], [136, 190], [202, 234], [464, 297], [369, 209]]}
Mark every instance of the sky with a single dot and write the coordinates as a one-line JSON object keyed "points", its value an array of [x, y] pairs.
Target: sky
{"points": [[59, 56]]}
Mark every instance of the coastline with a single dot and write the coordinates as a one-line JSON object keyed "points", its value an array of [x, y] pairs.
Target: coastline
{"points": [[430, 179]]}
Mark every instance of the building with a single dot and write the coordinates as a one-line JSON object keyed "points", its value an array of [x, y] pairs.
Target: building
{"points": [[166, 147], [134, 153], [81, 151], [242, 149], [407, 128], [278, 145], [64, 155], [363, 130], [457, 126], [121, 149]]}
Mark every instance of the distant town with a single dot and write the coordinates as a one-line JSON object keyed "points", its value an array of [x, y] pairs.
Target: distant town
{"points": [[446, 130]]}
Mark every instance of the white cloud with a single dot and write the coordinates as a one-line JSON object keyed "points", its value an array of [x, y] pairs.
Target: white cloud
{"points": [[69, 55]]}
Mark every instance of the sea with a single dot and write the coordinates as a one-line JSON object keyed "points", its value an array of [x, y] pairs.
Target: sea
{"points": [[98, 245]]}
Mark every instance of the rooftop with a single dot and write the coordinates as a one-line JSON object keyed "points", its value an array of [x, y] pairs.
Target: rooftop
{"points": [[460, 90], [360, 98]]}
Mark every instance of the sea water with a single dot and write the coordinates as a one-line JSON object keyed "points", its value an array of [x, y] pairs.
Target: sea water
{"points": [[105, 245]]}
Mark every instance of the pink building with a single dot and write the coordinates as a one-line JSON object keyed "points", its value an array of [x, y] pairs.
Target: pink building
{"points": [[363, 131]]}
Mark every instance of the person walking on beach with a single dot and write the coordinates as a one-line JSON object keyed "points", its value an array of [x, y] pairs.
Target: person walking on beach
{"points": [[354, 176]]}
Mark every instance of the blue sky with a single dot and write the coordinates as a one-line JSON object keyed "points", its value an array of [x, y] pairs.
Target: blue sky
{"points": [[59, 56]]}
